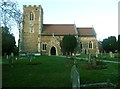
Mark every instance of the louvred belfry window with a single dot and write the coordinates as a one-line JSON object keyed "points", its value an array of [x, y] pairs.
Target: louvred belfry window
{"points": [[31, 16]]}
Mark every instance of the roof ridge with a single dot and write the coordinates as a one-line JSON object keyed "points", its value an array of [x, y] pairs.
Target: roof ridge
{"points": [[58, 24]]}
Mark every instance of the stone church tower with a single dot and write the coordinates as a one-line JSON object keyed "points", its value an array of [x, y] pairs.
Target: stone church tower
{"points": [[32, 27]]}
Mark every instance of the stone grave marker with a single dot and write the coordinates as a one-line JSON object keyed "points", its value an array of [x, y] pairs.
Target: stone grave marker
{"points": [[12, 55], [94, 61], [89, 58], [111, 54], [97, 53], [75, 78], [16, 58], [11, 59], [7, 57], [30, 57]]}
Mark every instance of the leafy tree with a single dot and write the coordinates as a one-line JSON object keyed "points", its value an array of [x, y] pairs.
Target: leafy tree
{"points": [[11, 17], [105, 45], [8, 41], [119, 43], [110, 44], [69, 43]]}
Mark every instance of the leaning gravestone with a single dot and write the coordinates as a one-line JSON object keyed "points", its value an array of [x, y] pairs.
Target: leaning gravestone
{"points": [[75, 78]]}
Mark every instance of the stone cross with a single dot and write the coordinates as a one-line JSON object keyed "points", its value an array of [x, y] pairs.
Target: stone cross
{"points": [[75, 78]]}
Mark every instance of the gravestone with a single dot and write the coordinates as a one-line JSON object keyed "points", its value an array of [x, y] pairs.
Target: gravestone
{"points": [[30, 57], [16, 58], [94, 61], [11, 59], [97, 53], [12, 55], [111, 54], [89, 58], [7, 57], [75, 78]]}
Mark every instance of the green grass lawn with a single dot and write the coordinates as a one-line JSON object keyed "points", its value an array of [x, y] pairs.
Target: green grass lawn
{"points": [[51, 71]]}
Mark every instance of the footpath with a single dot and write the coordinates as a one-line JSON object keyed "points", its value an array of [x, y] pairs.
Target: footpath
{"points": [[87, 59]]}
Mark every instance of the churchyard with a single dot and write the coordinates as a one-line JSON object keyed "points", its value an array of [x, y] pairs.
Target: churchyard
{"points": [[54, 71]]}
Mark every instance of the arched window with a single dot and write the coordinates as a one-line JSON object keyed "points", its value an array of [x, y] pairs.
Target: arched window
{"points": [[90, 45], [31, 16], [44, 46]]}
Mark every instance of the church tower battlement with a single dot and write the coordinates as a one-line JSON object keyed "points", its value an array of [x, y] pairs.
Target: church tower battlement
{"points": [[32, 27]]}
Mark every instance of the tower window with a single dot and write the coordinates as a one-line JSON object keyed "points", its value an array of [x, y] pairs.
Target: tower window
{"points": [[31, 16], [44, 46], [90, 45]]}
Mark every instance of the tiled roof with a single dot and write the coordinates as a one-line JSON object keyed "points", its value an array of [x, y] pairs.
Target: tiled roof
{"points": [[59, 29], [86, 31], [65, 29]]}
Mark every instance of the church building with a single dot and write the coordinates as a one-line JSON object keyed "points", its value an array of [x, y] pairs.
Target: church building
{"points": [[45, 39]]}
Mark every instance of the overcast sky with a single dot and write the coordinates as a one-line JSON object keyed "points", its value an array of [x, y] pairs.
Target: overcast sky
{"points": [[101, 14]]}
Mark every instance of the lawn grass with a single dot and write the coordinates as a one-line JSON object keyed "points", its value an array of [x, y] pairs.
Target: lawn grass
{"points": [[51, 71]]}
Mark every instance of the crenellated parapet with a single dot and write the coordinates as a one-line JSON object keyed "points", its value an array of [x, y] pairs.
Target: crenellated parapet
{"points": [[28, 6]]}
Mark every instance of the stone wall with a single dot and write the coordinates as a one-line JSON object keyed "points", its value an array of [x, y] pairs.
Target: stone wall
{"points": [[85, 45]]}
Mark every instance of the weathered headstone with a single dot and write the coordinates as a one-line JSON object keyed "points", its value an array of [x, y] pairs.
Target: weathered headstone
{"points": [[30, 57], [97, 53], [89, 58], [111, 54], [12, 55], [7, 57], [75, 78], [16, 58], [94, 61], [11, 60]]}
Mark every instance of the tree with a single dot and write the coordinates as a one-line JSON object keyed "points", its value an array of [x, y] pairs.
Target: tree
{"points": [[8, 41], [105, 45], [118, 44], [110, 44], [10, 14], [69, 43]]}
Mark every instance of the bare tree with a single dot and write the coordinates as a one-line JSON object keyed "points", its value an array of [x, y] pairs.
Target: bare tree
{"points": [[10, 14]]}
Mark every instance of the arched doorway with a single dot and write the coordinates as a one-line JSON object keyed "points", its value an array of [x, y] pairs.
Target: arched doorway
{"points": [[53, 51]]}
